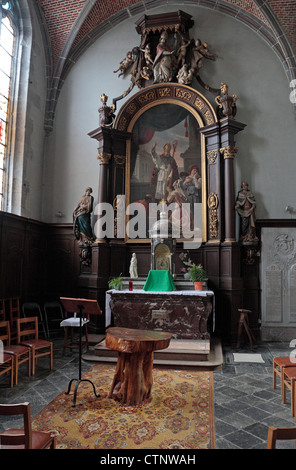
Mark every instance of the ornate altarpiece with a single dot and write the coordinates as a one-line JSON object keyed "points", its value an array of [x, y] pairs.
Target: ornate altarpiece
{"points": [[215, 128]]}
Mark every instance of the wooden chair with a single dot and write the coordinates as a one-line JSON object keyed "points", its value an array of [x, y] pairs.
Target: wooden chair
{"points": [[39, 347], [14, 314], [54, 314], [289, 381], [24, 438], [6, 365], [282, 434], [32, 309], [279, 363], [2, 310], [18, 352]]}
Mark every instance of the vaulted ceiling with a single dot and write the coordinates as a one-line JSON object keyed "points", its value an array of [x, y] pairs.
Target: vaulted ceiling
{"points": [[71, 26]]}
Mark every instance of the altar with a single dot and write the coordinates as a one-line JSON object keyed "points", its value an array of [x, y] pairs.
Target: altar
{"points": [[184, 313]]}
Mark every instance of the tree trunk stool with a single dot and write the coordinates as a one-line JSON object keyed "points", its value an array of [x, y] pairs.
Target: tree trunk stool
{"points": [[289, 380], [279, 363], [244, 324], [132, 382]]}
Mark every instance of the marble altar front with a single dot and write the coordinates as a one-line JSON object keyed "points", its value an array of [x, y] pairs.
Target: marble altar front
{"points": [[184, 313]]}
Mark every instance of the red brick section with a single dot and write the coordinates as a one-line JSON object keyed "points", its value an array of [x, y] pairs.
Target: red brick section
{"points": [[101, 11], [250, 7], [60, 15], [285, 10]]}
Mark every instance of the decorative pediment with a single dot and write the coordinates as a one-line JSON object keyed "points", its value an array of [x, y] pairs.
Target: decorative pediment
{"points": [[169, 93]]}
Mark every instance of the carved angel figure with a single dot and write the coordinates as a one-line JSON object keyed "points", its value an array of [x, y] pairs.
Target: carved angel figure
{"points": [[185, 75], [125, 64], [199, 51]]}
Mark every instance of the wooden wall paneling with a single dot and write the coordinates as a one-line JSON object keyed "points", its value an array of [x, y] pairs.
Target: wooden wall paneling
{"points": [[211, 262], [34, 262], [62, 256], [12, 259], [92, 281]]}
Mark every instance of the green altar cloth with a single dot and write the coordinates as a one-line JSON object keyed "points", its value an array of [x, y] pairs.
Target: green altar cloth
{"points": [[159, 280]]}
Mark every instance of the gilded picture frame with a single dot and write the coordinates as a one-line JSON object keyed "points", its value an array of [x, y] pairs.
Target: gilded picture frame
{"points": [[153, 127]]}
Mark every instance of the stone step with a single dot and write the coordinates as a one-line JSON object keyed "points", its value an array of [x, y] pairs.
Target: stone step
{"points": [[180, 352]]}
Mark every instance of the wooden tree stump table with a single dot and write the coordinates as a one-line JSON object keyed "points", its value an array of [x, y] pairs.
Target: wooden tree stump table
{"points": [[132, 380]]}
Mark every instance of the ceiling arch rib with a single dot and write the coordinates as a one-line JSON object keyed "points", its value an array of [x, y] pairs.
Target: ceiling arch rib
{"points": [[93, 18]]}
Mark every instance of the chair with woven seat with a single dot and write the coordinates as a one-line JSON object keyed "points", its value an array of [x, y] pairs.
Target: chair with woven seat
{"points": [[19, 353], [24, 438], [283, 434], [27, 335], [6, 365], [279, 363]]}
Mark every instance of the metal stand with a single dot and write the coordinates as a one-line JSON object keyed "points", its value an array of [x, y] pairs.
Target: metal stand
{"points": [[81, 307]]}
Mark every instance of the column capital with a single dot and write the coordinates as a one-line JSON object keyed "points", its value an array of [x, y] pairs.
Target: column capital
{"points": [[104, 158], [229, 151]]}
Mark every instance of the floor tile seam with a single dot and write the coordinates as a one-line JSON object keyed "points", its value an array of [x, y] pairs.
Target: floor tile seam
{"points": [[260, 439]]}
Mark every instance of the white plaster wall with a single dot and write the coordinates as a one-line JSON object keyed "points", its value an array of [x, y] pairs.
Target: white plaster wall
{"points": [[266, 157]]}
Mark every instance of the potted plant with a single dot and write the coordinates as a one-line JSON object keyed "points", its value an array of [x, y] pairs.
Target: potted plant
{"points": [[197, 275], [116, 283]]}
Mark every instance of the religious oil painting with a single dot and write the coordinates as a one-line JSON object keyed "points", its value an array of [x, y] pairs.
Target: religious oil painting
{"points": [[165, 164]]}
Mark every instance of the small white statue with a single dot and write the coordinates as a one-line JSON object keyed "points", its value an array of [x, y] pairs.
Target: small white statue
{"points": [[133, 270]]}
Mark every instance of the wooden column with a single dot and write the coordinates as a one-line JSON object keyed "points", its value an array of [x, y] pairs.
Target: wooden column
{"points": [[213, 188], [229, 128], [104, 136], [229, 196]]}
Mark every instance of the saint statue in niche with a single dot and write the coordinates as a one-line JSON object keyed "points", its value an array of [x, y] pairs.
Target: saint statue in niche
{"points": [[81, 217], [245, 205], [162, 65]]}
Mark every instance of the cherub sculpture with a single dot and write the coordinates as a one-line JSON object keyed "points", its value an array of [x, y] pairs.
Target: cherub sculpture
{"points": [[125, 64]]}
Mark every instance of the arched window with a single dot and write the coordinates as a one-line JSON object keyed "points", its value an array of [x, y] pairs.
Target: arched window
{"points": [[7, 45]]}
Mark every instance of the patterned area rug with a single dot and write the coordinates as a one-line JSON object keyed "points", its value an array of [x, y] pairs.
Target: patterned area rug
{"points": [[179, 415]]}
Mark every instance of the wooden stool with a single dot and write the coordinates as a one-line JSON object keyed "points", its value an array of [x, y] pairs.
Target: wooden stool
{"points": [[132, 380], [289, 380], [279, 363], [244, 324]]}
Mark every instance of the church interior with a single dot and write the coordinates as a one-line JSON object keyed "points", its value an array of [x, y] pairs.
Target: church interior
{"points": [[146, 147]]}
